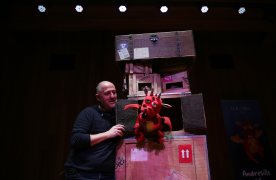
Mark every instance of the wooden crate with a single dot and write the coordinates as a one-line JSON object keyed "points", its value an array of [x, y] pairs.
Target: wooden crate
{"points": [[183, 158], [172, 44], [137, 83]]}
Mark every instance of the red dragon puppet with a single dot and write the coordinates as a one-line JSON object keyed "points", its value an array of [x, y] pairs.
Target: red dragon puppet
{"points": [[149, 124], [250, 139]]}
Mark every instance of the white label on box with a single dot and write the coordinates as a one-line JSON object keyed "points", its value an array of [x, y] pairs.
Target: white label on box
{"points": [[123, 53], [138, 155], [141, 53]]}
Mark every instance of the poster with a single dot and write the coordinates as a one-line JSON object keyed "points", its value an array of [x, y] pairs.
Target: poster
{"points": [[248, 144]]}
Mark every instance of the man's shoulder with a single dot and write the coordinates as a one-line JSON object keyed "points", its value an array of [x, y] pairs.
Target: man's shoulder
{"points": [[90, 109], [88, 112]]}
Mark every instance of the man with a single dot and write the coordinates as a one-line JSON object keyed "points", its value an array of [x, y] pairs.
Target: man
{"points": [[95, 136]]}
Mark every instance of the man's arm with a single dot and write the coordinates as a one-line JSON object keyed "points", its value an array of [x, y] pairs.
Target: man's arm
{"points": [[117, 130]]}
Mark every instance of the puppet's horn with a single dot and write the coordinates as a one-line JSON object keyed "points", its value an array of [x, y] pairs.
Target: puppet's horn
{"points": [[159, 95], [166, 105], [146, 90], [151, 93]]}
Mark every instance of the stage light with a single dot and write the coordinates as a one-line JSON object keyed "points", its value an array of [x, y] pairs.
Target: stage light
{"points": [[164, 9], [122, 8], [41, 8], [79, 8], [204, 9], [241, 10]]}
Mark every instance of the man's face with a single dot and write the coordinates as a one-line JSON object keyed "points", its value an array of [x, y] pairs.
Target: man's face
{"points": [[107, 96]]}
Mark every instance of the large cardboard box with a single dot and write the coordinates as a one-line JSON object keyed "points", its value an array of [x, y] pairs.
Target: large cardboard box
{"points": [[182, 158], [174, 44]]}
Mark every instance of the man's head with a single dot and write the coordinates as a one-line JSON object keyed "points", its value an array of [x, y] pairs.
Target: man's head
{"points": [[106, 95]]}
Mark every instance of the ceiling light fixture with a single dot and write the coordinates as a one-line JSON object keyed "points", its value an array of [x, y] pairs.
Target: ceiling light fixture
{"points": [[204, 9], [41, 8], [122, 8], [163, 9], [79, 8], [242, 10]]}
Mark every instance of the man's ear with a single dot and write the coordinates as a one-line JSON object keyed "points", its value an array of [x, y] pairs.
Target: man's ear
{"points": [[97, 97]]}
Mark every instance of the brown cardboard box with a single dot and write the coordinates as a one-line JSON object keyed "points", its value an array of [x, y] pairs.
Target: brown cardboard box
{"points": [[182, 158], [172, 44]]}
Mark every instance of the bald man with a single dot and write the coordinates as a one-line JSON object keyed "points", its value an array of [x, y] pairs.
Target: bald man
{"points": [[95, 136]]}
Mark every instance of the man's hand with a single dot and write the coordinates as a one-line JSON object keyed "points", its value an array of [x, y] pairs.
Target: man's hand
{"points": [[117, 130]]}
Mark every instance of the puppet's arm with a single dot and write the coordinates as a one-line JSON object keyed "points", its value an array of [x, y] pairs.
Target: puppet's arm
{"points": [[134, 106]]}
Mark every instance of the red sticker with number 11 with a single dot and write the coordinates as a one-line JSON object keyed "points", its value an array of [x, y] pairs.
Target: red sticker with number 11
{"points": [[185, 154]]}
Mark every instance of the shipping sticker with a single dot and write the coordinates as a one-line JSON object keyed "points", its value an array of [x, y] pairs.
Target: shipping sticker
{"points": [[167, 79], [185, 154], [123, 45], [138, 155], [123, 53], [141, 53]]}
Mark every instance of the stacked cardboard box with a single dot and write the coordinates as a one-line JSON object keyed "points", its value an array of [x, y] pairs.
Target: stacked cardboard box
{"points": [[161, 62]]}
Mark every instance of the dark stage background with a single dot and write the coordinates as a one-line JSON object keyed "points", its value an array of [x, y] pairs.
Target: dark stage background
{"points": [[50, 64]]}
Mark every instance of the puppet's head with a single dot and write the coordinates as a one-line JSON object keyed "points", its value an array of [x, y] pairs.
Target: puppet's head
{"points": [[152, 104]]}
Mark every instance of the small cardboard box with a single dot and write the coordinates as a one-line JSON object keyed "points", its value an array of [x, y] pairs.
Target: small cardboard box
{"points": [[176, 83], [137, 83]]}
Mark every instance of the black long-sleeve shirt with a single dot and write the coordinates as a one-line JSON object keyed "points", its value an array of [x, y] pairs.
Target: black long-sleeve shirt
{"points": [[97, 158]]}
